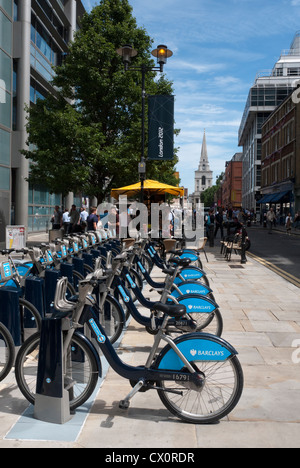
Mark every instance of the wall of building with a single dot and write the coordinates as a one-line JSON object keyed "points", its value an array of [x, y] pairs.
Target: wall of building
{"points": [[6, 98], [34, 37]]}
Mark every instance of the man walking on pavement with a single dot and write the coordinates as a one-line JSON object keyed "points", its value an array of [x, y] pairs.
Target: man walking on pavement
{"points": [[270, 219], [74, 218]]}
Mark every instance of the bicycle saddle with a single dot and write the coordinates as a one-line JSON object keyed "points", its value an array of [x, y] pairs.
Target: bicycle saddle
{"points": [[168, 271], [173, 310], [184, 262]]}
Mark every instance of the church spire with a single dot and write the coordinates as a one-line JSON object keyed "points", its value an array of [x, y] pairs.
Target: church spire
{"points": [[204, 156]]}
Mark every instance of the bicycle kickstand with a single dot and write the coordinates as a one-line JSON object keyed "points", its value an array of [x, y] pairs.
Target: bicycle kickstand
{"points": [[124, 404]]}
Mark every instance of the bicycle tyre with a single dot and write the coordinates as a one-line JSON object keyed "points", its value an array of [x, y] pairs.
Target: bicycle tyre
{"points": [[8, 358], [86, 378], [213, 323], [146, 262], [118, 317], [139, 283], [218, 396], [24, 304]]}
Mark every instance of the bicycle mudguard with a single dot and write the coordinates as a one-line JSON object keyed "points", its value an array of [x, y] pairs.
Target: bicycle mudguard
{"points": [[191, 287], [197, 303], [195, 347], [23, 268], [189, 254], [93, 350], [189, 273]]}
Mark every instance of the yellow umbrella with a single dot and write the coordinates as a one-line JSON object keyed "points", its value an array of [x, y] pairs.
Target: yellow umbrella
{"points": [[149, 186]]}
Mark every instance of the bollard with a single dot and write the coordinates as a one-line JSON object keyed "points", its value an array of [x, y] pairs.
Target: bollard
{"points": [[243, 246], [51, 400]]}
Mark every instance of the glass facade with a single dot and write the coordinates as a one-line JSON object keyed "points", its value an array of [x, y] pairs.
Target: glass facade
{"points": [[6, 11], [49, 34], [40, 208]]}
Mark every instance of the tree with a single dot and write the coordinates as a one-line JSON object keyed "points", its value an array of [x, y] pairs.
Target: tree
{"points": [[208, 196], [87, 137]]}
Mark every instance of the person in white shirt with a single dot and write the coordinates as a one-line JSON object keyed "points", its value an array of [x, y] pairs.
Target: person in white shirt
{"points": [[66, 221]]}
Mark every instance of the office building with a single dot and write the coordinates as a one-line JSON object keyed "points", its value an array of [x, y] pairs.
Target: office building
{"points": [[268, 91], [34, 37]]}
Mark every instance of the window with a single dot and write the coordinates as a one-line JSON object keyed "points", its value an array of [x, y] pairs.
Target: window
{"points": [[4, 178], [203, 180], [7, 6], [5, 33], [4, 147], [41, 206], [295, 71]]}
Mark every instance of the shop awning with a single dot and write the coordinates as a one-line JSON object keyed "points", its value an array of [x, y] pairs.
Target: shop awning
{"points": [[266, 198], [150, 186], [273, 197], [277, 197]]}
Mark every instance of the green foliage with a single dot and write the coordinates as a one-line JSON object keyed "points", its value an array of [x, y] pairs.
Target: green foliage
{"points": [[208, 196], [88, 136]]}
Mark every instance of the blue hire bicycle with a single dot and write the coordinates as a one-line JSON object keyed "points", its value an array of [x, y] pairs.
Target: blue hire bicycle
{"points": [[198, 376]]}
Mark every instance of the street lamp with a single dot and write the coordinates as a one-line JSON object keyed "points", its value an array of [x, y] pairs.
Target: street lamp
{"points": [[162, 53]]}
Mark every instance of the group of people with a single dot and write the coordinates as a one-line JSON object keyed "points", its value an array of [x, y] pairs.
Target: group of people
{"points": [[230, 218], [74, 220], [271, 220]]}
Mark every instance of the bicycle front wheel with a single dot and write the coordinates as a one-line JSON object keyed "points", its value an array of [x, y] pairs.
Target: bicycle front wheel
{"points": [[114, 319], [80, 374], [7, 352], [221, 390]]}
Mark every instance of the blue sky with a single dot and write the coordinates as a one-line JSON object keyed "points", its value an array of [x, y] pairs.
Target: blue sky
{"points": [[218, 47]]}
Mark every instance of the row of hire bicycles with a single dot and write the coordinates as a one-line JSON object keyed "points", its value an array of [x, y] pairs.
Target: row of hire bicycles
{"points": [[95, 284]]}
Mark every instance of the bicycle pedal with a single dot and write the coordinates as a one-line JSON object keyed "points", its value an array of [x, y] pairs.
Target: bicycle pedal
{"points": [[124, 404]]}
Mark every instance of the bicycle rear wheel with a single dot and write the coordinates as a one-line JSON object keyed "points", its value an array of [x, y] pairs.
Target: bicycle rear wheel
{"points": [[30, 317], [219, 394], [114, 319], [7, 352], [81, 373]]}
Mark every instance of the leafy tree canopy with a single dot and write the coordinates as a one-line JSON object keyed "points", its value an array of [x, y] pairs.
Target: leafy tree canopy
{"points": [[208, 196], [87, 137]]}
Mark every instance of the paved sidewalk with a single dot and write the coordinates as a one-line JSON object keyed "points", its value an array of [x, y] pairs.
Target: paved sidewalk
{"points": [[261, 320]]}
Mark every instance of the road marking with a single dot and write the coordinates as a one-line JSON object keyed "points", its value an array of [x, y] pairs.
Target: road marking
{"points": [[284, 274]]}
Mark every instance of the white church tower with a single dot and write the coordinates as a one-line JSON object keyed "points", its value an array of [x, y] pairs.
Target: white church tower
{"points": [[203, 176]]}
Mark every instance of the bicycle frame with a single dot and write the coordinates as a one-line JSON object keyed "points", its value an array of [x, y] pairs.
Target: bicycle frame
{"points": [[145, 373]]}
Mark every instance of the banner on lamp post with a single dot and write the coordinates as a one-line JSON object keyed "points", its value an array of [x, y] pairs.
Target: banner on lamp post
{"points": [[160, 127]]}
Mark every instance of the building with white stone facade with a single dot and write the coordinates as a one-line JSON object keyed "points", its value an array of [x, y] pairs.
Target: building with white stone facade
{"points": [[203, 175]]}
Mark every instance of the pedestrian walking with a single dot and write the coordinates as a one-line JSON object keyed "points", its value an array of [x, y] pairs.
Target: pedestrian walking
{"points": [[113, 222], [83, 218], [92, 220], [297, 220], [210, 227], [219, 223], [288, 224], [74, 219], [270, 219], [56, 218], [66, 221]]}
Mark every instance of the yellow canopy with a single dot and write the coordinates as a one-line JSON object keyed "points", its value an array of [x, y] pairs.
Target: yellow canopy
{"points": [[150, 186]]}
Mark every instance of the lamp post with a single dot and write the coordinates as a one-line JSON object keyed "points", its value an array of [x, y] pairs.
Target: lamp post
{"points": [[162, 53]]}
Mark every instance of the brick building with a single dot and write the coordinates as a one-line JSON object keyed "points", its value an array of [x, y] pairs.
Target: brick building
{"points": [[281, 156], [232, 182]]}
